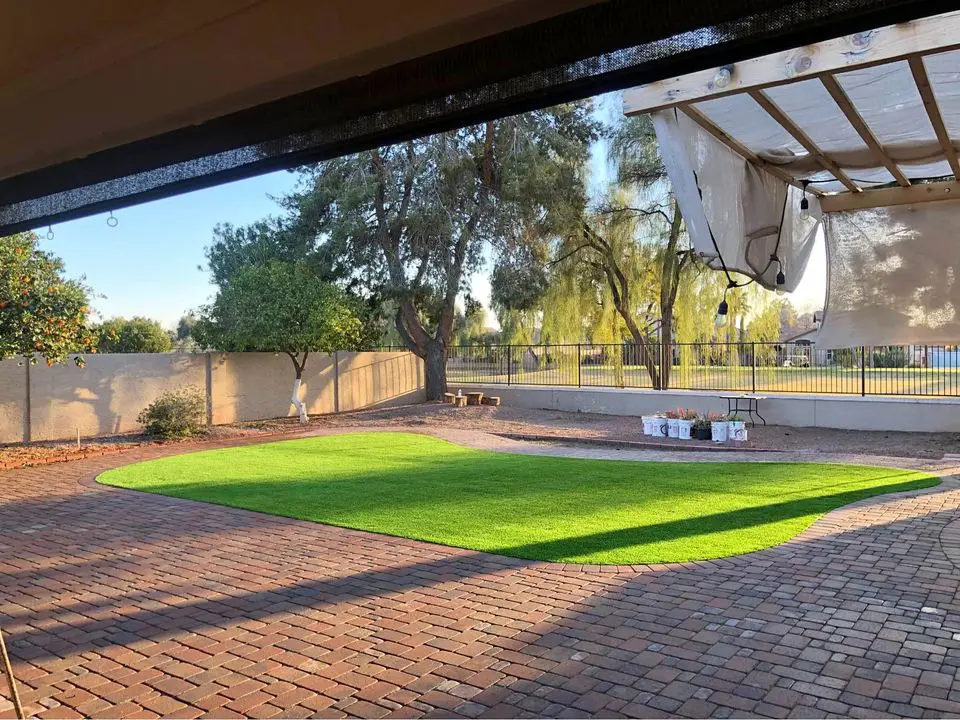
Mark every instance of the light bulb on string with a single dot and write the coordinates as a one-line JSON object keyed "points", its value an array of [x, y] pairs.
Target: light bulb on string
{"points": [[781, 287], [804, 202], [722, 313]]}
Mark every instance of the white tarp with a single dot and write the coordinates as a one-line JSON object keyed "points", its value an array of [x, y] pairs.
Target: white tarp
{"points": [[733, 209], [893, 276]]}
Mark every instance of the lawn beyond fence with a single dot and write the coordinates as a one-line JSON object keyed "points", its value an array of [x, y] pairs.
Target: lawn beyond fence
{"points": [[915, 370]]}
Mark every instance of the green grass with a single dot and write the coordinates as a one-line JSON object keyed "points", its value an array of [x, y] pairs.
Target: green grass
{"points": [[543, 508]]}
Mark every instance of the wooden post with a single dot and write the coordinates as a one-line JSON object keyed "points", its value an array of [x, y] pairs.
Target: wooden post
{"points": [[11, 683]]}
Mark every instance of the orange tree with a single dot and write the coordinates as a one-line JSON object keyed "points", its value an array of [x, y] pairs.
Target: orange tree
{"points": [[41, 312]]}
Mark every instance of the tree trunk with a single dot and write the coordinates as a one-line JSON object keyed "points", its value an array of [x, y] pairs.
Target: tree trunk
{"points": [[666, 347], [435, 370], [295, 401]]}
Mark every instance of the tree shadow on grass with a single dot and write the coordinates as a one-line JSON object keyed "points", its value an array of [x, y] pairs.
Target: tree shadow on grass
{"points": [[750, 517]]}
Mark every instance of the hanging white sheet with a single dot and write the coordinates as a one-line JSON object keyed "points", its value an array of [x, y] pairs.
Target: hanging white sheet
{"points": [[893, 276], [733, 209]]}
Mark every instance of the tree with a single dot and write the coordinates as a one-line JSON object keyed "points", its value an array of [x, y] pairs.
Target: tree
{"points": [[634, 246], [283, 308], [41, 312], [185, 326], [133, 335], [411, 221]]}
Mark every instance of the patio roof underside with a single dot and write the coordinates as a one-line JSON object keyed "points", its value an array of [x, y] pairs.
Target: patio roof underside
{"points": [[129, 102], [884, 113]]}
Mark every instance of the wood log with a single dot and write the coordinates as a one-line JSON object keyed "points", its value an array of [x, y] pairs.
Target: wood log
{"points": [[475, 398], [491, 400], [460, 401], [448, 398]]}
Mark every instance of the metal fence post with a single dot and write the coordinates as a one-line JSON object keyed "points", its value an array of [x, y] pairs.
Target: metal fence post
{"points": [[578, 365], [509, 362], [863, 371], [753, 369]]}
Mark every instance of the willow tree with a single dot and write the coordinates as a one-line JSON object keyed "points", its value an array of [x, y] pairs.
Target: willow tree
{"points": [[412, 221]]}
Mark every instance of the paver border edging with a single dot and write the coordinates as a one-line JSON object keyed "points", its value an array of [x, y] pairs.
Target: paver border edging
{"points": [[947, 482]]}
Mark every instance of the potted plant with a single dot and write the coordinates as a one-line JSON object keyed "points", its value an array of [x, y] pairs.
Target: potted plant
{"points": [[737, 428], [685, 423], [673, 423], [719, 427], [647, 424], [659, 425], [701, 428]]}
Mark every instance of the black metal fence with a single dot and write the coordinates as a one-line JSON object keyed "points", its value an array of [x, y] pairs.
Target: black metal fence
{"points": [[912, 370]]}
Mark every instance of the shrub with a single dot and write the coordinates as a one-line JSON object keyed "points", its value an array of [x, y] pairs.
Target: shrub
{"points": [[175, 414]]}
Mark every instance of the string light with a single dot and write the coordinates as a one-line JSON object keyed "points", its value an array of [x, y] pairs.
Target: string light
{"points": [[724, 307], [804, 203]]}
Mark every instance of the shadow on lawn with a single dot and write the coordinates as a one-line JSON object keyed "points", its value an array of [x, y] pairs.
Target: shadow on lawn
{"points": [[704, 524]]}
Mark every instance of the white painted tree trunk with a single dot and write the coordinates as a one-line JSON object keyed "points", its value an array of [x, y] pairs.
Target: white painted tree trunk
{"points": [[295, 400]]}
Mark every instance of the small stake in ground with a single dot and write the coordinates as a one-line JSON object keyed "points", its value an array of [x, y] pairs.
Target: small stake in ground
{"points": [[8, 670]]}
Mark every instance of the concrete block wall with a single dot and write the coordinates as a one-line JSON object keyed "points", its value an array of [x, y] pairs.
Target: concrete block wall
{"points": [[50, 403], [827, 411]]}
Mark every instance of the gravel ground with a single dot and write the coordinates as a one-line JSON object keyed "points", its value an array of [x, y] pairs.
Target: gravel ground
{"points": [[615, 427], [521, 421]]}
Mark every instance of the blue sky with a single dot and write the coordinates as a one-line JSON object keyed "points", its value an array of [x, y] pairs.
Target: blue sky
{"points": [[148, 264]]}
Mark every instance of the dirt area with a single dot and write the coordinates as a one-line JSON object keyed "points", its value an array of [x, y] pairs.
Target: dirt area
{"points": [[518, 421], [615, 427], [41, 453]]}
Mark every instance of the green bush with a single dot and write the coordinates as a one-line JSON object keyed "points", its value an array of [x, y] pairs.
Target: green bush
{"points": [[175, 414]]}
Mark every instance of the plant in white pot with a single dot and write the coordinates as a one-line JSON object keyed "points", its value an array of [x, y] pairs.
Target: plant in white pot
{"points": [[673, 423], [685, 423], [660, 426], [719, 427], [737, 428]]}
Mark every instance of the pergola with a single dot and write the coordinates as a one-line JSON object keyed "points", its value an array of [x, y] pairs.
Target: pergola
{"points": [[858, 135]]}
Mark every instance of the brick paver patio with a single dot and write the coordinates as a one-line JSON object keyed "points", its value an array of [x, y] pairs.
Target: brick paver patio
{"points": [[118, 603]]}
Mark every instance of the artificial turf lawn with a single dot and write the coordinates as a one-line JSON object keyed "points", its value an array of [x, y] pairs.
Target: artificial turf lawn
{"points": [[542, 508]]}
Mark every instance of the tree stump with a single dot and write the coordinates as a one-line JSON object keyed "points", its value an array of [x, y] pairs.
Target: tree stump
{"points": [[459, 400], [475, 398], [491, 400], [448, 398]]}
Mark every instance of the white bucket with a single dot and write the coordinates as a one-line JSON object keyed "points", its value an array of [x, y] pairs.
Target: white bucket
{"points": [[684, 429], [660, 427], [738, 431], [647, 424], [719, 431], [673, 427]]}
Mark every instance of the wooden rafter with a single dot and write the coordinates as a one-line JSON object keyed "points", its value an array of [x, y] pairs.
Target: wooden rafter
{"points": [[860, 125], [887, 197], [741, 149], [938, 33], [774, 111], [919, 71]]}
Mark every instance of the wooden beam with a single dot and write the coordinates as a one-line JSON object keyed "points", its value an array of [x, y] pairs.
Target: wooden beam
{"points": [[843, 100], [774, 111], [919, 71], [740, 149], [883, 197], [893, 42]]}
